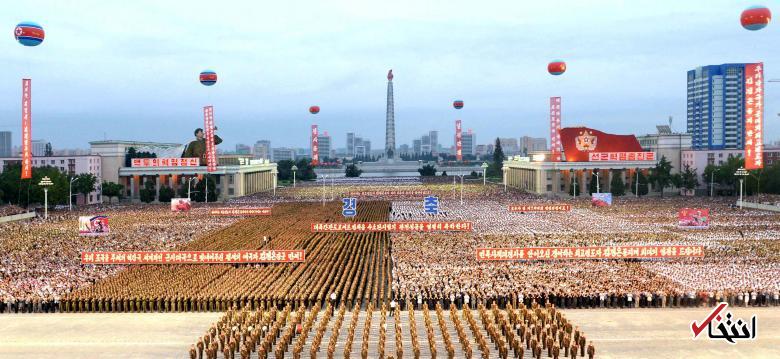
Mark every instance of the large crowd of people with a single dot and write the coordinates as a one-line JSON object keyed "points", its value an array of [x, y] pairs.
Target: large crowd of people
{"points": [[40, 267], [40, 260]]}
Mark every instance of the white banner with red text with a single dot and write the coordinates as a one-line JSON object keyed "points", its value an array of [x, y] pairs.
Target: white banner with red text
{"points": [[195, 257], [461, 226], [260, 211], [610, 252]]}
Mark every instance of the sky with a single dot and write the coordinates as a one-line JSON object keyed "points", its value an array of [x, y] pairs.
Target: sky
{"points": [[129, 70]]}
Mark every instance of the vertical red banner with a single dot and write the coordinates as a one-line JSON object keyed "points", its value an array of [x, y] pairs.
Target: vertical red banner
{"points": [[555, 129], [26, 129], [754, 116], [315, 146], [211, 149], [458, 141]]}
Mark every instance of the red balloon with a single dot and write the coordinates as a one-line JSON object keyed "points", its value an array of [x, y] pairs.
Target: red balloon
{"points": [[755, 18], [458, 104], [556, 67], [314, 109]]}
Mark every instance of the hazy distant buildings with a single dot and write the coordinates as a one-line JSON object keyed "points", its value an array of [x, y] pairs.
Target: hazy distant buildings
{"points": [[5, 144], [242, 149], [324, 145], [509, 146], [262, 149], [468, 143], [283, 154], [529, 144], [357, 146], [667, 144], [39, 147]]}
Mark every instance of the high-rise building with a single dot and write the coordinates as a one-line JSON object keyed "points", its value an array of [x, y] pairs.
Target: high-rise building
{"points": [[529, 144], [263, 149], [417, 146], [509, 146], [5, 144], [428, 143], [242, 149], [404, 149], [716, 113], [469, 142], [39, 147], [324, 145], [357, 146], [390, 120], [282, 154]]}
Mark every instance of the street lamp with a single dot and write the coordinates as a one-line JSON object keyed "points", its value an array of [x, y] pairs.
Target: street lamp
{"points": [[45, 183], [274, 173], [189, 188], [504, 169], [461, 189], [572, 172], [70, 194], [324, 180], [294, 169], [741, 172], [598, 189], [484, 169]]}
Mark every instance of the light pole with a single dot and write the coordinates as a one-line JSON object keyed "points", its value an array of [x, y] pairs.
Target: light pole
{"points": [[598, 189], [637, 183], [189, 187], [294, 169], [484, 171], [461, 189], [575, 182], [206, 189], [324, 179], [712, 182], [70, 194], [741, 172], [274, 173], [504, 170], [45, 183]]}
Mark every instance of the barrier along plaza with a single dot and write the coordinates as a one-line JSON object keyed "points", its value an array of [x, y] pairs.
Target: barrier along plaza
{"points": [[297, 289]]}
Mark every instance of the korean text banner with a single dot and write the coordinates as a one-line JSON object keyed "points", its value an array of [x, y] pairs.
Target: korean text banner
{"points": [[579, 142], [754, 116], [555, 128], [693, 218], [391, 227], [165, 162], [539, 208], [315, 146], [458, 141], [26, 129], [211, 148], [614, 252], [260, 211], [195, 257]]}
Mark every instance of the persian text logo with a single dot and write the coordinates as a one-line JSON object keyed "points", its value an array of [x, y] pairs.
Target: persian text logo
{"points": [[727, 327]]}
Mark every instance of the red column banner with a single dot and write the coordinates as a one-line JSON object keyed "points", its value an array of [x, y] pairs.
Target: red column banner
{"points": [[555, 128], [315, 146], [26, 129], [754, 116], [458, 141], [211, 149]]}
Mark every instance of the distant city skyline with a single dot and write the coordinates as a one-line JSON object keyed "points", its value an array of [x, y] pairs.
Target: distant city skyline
{"points": [[136, 78]]}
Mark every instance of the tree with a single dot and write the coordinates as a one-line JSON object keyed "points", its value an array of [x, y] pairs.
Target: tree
{"points": [[444, 174], [148, 193], [352, 171], [133, 153], [84, 184], [111, 189], [661, 175], [494, 168], [427, 170], [26, 192], [166, 194], [643, 183], [592, 188], [200, 196], [617, 186], [688, 178], [48, 152]]}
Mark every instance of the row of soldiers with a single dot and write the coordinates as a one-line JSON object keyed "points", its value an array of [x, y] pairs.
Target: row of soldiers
{"points": [[510, 333]]}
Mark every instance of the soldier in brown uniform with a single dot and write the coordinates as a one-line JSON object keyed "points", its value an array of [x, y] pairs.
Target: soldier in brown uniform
{"points": [[591, 350], [193, 354]]}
